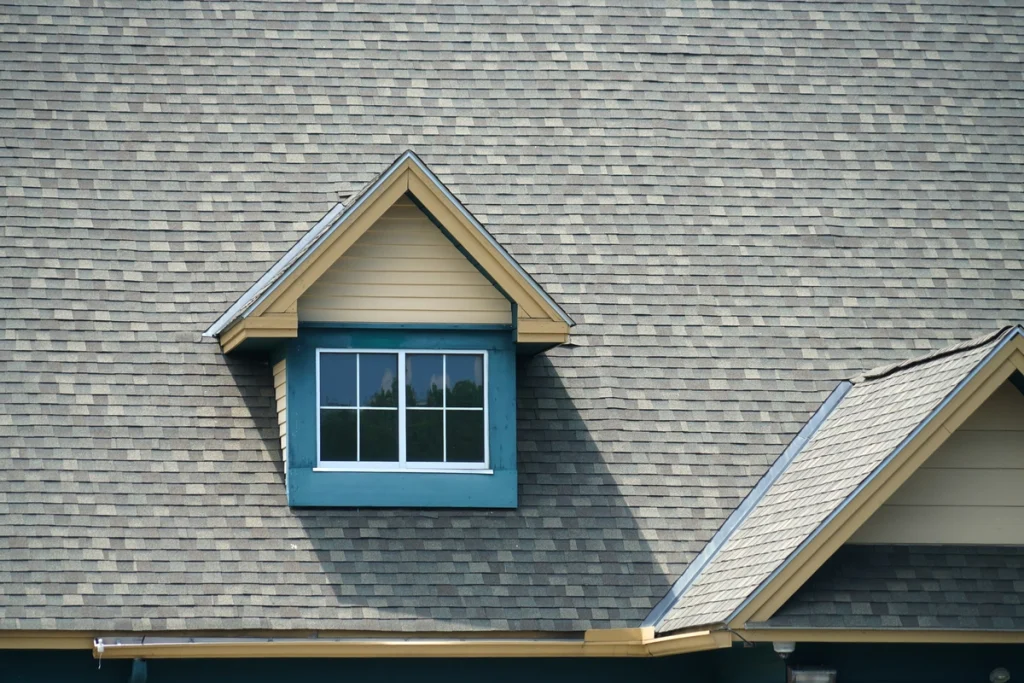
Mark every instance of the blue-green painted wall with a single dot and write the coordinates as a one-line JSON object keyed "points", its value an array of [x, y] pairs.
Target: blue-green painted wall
{"points": [[307, 487]]}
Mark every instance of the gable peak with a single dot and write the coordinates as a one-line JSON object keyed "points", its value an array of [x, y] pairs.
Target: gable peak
{"points": [[268, 308]]}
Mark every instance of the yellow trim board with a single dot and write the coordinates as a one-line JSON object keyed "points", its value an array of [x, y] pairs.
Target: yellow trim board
{"points": [[274, 325], [45, 640], [627, 642], [595, 643], [533, 330], [989, 376], [795, 635], [538, 321]]}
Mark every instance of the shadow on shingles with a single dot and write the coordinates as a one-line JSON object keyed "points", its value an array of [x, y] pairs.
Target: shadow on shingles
{"points": [[570, 557], [253, 377]]}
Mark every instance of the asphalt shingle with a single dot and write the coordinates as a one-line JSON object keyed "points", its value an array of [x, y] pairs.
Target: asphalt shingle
{"points": [[739, 204], [911, 587], [876, 415]]}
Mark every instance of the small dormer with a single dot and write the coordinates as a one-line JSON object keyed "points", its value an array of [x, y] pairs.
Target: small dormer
{"points": [[393, 327]]}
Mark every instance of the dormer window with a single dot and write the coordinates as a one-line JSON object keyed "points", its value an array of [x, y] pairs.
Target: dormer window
{"points": [[392, 328], [439, 421]]}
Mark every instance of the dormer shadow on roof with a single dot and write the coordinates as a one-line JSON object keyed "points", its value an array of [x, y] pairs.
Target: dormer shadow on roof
{"points": [[349, 269], [902, 471]]}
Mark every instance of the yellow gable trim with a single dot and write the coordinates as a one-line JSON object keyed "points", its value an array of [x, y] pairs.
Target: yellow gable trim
{"points": [[479, 249], [268, 326], [989, 377], [337, 243], [538, 321]]}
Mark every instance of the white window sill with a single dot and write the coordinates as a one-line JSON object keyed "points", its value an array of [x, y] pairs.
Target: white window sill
{"points": [[407, 470]]}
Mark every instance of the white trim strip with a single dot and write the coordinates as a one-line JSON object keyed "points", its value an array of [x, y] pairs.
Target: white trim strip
{"points": [[402, 464]]}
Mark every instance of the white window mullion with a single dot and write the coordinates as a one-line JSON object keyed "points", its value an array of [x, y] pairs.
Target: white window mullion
{"points": [[444, 408], [487, 426], [317, 407], [359, 446], [401, 409]]}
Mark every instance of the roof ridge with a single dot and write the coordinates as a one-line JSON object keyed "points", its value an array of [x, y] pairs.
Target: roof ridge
{"points": [[884, 371]]}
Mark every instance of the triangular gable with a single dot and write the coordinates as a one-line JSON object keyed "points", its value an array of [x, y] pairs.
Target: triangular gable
{"points": [[871, 436], [969, 491], [269, 308], [404, 270]]}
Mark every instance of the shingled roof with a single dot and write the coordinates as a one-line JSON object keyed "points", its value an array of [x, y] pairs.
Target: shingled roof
{"points": [[738, 203], [855, 438], [911, 587]]}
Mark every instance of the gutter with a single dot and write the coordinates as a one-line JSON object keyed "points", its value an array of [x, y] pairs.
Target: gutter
{"points": [[629, 642]]}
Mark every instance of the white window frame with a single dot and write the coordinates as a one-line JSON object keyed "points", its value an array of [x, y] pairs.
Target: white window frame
{"points": [[402, 465]]}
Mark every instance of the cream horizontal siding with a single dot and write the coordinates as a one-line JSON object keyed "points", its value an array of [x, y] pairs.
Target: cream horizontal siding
{"points": [[281, 396], [404, 270], [969, 491]]}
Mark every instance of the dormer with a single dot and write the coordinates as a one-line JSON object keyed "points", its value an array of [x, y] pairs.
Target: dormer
{"points": [[393, 327]]}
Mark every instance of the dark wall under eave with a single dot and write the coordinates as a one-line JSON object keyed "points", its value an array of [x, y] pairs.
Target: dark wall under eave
{"points": [[80, 667], [855, 664], [893, 663], [869, 663]]}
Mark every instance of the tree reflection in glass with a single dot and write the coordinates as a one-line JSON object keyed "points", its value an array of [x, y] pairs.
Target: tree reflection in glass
{"points": [[378, 380], [465, 383], [423, 383]]}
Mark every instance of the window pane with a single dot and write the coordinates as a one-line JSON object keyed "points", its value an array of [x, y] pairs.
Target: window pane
{"points": [[337, 435], [465, 381], [337, 379], [465, 435], [378, 434], [424, 436], [378, 379], [423, 380]]}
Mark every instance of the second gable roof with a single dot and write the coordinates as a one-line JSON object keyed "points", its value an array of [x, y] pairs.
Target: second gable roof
{"points": [[859, 432]]}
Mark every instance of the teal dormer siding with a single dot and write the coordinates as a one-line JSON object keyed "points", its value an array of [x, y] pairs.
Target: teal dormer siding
{"points": [[311, 485]]}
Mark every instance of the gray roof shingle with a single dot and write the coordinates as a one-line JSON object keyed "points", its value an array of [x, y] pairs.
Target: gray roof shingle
{"points": [[911, 587], [879, 412], [738, 203]]}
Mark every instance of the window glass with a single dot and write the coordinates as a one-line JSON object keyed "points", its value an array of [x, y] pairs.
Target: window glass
{"points": [[440, 409], [424, 380], [465, 435], [465, 380], [378, 380], [378, 435], [337, 435], [424, 436], [337, 379]]}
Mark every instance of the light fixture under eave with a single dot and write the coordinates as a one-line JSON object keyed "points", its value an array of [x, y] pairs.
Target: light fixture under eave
{"points": [[999, 675], [801, 675]]}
